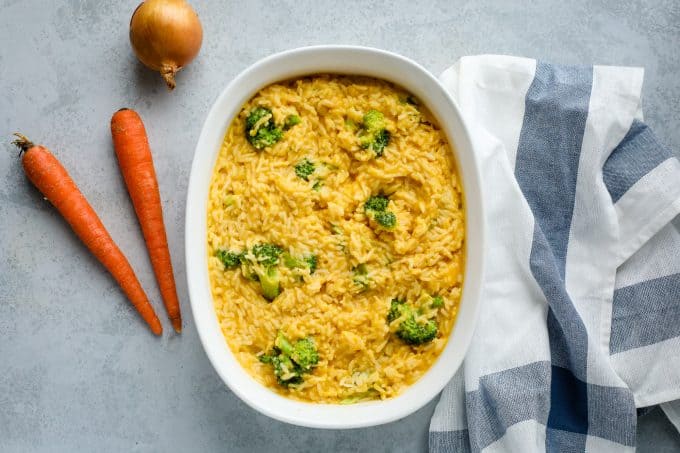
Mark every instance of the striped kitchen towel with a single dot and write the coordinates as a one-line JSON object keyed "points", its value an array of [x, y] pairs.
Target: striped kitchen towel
{"points": [[580, 317]]}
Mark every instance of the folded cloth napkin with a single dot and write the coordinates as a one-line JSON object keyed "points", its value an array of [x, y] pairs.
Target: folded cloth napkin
{"points": [[580, 315]]}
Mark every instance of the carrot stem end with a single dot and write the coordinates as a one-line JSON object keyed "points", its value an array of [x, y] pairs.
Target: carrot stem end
{"points": [[22, 142]]}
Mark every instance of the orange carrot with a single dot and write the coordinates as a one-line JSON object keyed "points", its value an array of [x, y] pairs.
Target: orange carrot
{"points": [[54, 182], [136, 164]]}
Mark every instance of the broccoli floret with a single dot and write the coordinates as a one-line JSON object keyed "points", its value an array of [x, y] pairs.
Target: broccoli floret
{"points": [[302, 352], [290, 261], [283, 344], [269, 282], [286, 372], [266, 358], [395, 310], [304, 169], [413, 332], [262, 267], [373, 121], [362, 282], [267, 254], [437, 302], [361, 278], [305, 354], [376, 208], [291, 120], [231, 260], [260, 129], [373, 134], [386, 219], [410, 330], [376, 203], [291, 361], [250, 274], [380, 140], [310, 262], [257, 114]]}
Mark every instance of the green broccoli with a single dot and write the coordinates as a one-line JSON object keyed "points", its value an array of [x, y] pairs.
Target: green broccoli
{"points": [[291, 360], [260, 129], [291, 120], [373, 134], [261, 265], [291, 262], [361, 279], [231, 260], [373, 121], [377, 203], [269, 282], [283, 344], [376, 208], [310, 262], [380, 141], [410, 330], [286, 372], [304, 169], [256, 115], [395, 309], [415, 333], [303, 352], [437, 302], [385, 219], [267, 254], [249, 273]]}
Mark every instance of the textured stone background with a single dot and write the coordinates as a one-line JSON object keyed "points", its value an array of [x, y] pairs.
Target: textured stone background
{"points": [[78, 370]]}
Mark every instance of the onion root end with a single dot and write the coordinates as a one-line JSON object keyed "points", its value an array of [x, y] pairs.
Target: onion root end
{"points": [[168, 73]]}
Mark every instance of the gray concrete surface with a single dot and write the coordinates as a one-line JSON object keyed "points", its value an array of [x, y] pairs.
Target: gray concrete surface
{"points": [[78, 370]]}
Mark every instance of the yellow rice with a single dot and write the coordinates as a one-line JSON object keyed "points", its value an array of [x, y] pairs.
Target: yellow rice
{"points": [[256, 197]]}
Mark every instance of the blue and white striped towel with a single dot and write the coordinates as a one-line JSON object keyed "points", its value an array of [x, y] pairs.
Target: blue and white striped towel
{"points": [[580, 316]]}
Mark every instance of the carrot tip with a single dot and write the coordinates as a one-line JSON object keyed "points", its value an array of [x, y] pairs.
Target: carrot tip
{"points": [[156, 327], [177, 325]]}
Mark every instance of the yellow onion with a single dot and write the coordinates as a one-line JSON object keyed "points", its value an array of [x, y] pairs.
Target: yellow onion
{"points": [[165, 35]]}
